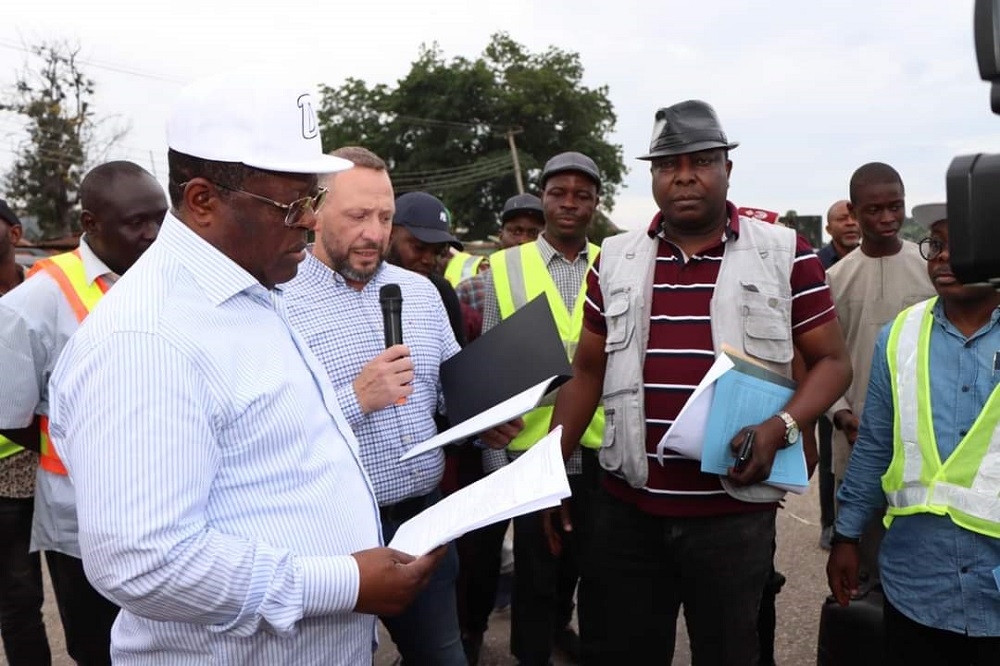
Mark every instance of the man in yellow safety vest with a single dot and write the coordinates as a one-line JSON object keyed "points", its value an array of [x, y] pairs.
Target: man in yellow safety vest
{"points": [[929, 446], [546, 554], [123, 207]]}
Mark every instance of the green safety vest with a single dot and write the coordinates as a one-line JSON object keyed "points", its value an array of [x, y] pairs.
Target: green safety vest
{"points": [[461, 266], [964, 487], [8, 448], [519, 276]]}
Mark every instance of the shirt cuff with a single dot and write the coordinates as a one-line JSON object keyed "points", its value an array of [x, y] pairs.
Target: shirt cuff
{"points": [[851, 520], [329, 585], [348, 401], [838, 406]]}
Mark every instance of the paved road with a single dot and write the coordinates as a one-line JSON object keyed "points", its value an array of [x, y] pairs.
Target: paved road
{"points": [[799, 558]]}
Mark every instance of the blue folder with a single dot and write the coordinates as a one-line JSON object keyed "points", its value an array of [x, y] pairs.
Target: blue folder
{"points": [[745, 396]]}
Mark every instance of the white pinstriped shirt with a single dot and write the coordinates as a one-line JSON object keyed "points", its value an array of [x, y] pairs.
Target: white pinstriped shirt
{"points": [[35, 327], [344, 328], [219, 489]]}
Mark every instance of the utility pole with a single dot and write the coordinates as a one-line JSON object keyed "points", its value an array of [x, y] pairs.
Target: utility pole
{"points": [[513, 153]]}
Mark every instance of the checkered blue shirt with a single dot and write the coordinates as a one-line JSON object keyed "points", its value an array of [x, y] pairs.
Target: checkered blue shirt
{"points": [[343, 328]]}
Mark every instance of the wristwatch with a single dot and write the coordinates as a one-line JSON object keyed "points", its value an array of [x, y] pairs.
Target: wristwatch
{"points": [[791, 428]]}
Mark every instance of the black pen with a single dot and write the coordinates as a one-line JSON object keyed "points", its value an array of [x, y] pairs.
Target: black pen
{"points": [[746, 450]]}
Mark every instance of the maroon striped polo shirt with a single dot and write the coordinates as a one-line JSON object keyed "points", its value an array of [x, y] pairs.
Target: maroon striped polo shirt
{"points": [[679, 354]]}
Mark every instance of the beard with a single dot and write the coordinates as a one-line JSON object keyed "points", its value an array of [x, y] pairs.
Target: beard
{"points": [[341, 263]]}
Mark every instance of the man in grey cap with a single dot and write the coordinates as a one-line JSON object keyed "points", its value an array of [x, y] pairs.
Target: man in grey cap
{"points": [[547, 554], [222, 502], [928, 446], [660, 304]]}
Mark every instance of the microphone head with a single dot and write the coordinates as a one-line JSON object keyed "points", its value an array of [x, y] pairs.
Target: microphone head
{"points": [[389, 291]]}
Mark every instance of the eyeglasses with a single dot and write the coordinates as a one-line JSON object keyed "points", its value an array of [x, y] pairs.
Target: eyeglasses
{"points": [[293, 211], [931, 248]]}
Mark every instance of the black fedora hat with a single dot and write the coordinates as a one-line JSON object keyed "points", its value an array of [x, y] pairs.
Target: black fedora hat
{"points": [[686, 127]]}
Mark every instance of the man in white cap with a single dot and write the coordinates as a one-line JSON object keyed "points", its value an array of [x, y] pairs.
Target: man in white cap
{"points": [[929, 445], [221, 500]]}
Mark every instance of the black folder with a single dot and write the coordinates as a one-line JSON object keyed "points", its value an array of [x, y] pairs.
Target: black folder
{"points": [[513, 356]]}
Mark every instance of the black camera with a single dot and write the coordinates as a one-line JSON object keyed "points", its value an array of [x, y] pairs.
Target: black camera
{"points": [[973, 181]]}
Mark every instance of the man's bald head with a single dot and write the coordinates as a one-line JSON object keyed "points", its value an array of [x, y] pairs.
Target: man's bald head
{"points": [[843, 228], [123, 207]]}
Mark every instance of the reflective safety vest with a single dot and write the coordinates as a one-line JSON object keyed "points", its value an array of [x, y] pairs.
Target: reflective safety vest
{"points": [[966, 487], [519, 276], [70, 275], [8, 448], [462, 265]]}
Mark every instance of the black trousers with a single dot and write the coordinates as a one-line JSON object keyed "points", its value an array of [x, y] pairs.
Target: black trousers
{"points": [[908, 643], [544, 585], [21, 595], [827, 484], [478, 576], [641, 569], [86, 615]]}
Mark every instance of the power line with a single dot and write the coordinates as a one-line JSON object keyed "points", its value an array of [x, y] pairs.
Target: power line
{"points": [[99, 65], [454, 182], [469, 173], [439, 123], [450, 171]]}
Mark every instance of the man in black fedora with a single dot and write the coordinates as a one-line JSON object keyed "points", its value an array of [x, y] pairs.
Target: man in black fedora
{"points": [[661, 303]]}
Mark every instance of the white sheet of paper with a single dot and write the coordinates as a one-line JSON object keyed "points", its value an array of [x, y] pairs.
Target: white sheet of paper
{"points": [[534, 481], [686, 434], [508, 410]]}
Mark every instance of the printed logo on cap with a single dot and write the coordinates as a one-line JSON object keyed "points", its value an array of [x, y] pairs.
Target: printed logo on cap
{"points": [[310, 128]]}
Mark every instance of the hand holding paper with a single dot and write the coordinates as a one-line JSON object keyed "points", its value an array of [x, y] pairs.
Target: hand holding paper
{"points": [[536, 480]]}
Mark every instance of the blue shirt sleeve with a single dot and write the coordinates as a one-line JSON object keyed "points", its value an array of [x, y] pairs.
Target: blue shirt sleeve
{"points": [[861, 494]]}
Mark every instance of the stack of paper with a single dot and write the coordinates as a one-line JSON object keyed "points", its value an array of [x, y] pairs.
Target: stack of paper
{"points": [[534, 481], [508, 410]]}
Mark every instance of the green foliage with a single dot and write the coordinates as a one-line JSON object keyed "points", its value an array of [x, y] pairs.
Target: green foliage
{"points": [[54, 100], [443, 128], [912, 231]]}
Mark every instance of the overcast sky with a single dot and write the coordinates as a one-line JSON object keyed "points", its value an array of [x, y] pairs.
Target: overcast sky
{"points": [[811, 88]]}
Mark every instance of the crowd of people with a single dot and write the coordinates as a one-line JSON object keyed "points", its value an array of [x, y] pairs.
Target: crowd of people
{"points": [[201, 423]]}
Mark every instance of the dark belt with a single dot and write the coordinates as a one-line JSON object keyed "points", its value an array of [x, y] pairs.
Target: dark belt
{"points": [[405, 509]]}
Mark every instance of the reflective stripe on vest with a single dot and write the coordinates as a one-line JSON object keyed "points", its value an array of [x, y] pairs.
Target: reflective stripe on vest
{"points": [[461, 266], [70, 275], [966, 487], [519, 276], [8, 448]]}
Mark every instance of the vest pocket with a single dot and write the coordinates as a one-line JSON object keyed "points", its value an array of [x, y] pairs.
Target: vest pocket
{"points": [[619, 320], [767, 324]]}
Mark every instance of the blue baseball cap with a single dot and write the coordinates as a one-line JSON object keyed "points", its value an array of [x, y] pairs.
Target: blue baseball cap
{"points": [[424, 216]]}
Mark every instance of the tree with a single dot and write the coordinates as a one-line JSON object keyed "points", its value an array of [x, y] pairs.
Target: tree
{"points": [[62, 137], [444, 127]]}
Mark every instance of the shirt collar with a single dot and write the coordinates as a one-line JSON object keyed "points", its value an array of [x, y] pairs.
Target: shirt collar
{"points": [[731, 232], [549, 253], [218, 276], [93, 267], [945, 323]]}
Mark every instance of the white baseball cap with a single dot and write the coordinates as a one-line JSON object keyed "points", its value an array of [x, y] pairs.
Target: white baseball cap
{"points": [[248, 118], [927, 214]]}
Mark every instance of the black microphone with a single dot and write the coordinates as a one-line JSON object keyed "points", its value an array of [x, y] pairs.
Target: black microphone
{"points": [[391, 300]]}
